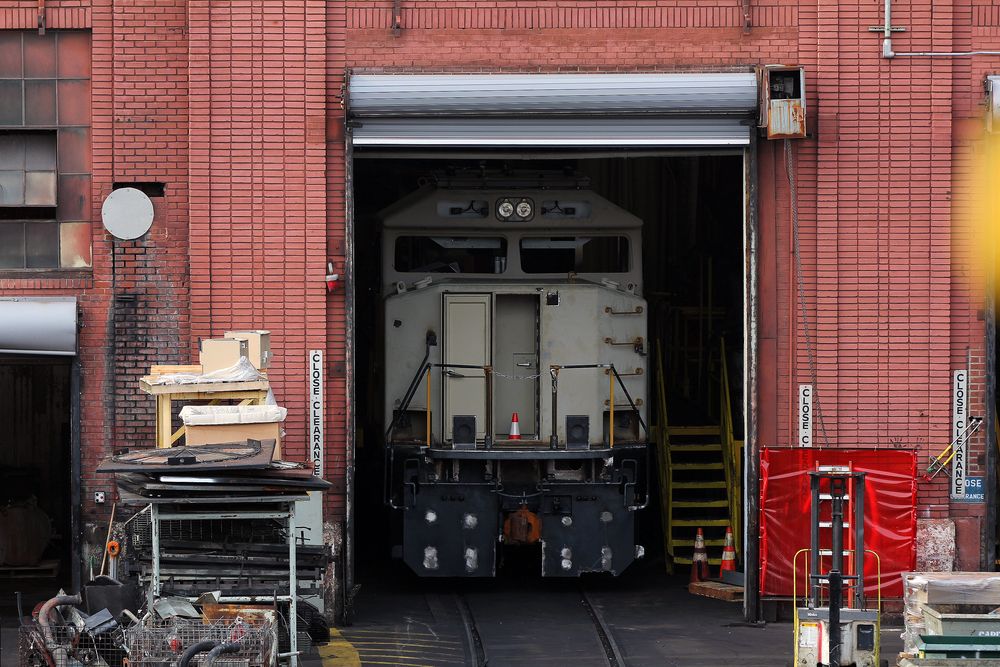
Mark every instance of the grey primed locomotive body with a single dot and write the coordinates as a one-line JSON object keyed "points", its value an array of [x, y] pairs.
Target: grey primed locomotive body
{"points": [[506, 299]]}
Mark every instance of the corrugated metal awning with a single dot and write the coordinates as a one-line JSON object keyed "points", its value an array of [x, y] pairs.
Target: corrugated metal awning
{"points": [[551, 132], [481, 94], [553, 110], [38, 325]]}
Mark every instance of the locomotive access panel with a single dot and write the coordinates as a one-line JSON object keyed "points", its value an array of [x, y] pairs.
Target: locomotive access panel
{"points": [[467, 342]]}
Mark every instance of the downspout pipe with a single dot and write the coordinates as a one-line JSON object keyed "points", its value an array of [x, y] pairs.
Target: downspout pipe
{"points": [[887, 31], [887, 51]]}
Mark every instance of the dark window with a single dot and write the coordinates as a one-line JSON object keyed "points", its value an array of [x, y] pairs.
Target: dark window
{"points": [[45, 153], [28, 169], [578, 254], [450, 254]]}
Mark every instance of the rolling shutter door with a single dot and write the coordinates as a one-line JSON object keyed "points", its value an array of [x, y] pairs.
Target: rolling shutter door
{"points": [[550, 110], [39, 325]]}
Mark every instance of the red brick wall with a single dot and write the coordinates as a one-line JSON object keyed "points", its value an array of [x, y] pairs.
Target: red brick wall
{"points": [[893, 302], [258, 203], [237, 107]]}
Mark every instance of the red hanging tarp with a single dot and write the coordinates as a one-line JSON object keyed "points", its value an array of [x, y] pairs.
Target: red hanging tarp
{"points": [[890, 513]]}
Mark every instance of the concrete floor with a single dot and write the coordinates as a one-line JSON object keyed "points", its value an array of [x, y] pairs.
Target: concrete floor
{"points": [[523, 619], [528, 620]]}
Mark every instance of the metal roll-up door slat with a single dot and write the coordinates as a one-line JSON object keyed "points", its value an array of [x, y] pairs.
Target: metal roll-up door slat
{"points": [[423, 94], [552, 132]]}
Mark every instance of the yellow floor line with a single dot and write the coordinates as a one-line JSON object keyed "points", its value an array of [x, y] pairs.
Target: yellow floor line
{"points": [[339, 652], [407, 647]]}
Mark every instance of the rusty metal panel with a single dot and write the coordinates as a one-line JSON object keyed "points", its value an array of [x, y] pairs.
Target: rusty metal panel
{"points": [[39, 55], [786, 118], [74, 197], [11, 101], [74, 102], [74, 54], [74, 150], [40, 102], [782, 101], [75, 245], [10, 54]]}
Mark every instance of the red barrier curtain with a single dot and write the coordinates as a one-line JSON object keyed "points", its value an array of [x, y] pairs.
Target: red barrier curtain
{"points": [[890, 514]]}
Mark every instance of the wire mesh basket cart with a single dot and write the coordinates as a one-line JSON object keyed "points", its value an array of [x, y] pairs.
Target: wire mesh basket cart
{"points": [[155, 643]]}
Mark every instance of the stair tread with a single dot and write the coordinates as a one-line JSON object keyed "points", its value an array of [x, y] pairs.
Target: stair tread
{"points": [[701, 522], [693, 430], [697, 447], [697, 466], [699, 503], [699, 485]]}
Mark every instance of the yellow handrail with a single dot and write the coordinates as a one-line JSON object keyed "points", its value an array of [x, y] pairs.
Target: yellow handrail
{"points": [[663, 443], [731, 454], [795, 599]]}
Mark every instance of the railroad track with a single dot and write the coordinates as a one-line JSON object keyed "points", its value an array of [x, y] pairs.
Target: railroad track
{"points": [[543, 627], [544, 624]]}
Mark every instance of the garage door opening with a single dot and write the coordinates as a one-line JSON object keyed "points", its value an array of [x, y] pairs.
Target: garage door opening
{"points": [[36, 545], [691, 278]]}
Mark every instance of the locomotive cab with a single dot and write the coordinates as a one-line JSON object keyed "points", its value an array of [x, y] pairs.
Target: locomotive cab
{"points": [[506, 301]]}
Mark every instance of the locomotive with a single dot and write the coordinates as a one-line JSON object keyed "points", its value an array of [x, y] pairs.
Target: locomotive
{"points": [[516, 376]]}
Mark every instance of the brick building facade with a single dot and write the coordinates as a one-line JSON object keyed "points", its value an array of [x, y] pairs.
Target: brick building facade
{"points": [[238, 109]]}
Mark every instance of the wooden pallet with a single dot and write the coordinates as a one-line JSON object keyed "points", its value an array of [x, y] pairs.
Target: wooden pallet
{"points": [[717, 590], [45, 569]]}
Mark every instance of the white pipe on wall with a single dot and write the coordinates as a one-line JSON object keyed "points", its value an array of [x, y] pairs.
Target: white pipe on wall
{"points": [[887, 51]]}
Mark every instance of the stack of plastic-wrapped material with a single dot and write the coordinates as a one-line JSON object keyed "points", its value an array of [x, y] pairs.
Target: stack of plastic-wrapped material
{"points": [[945, 596]]}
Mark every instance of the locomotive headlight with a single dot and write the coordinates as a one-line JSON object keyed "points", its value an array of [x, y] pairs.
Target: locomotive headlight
{"points": [[524, 209], [471, 559], [431, 558], [505, 209]]}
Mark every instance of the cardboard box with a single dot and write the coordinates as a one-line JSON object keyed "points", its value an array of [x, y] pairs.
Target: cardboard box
{"points": [[259, 346], [219, 353], [217, 424], [211, 434]]}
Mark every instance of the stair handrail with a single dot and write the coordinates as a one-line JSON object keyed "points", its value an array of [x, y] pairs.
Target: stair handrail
{"points": [[731, 455], [666, 463]]}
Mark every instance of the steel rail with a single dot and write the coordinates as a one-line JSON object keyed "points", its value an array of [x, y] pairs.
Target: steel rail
{"points": [[612, 652]]}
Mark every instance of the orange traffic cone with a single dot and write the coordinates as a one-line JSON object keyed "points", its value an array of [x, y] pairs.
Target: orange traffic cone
{"points": [[515, 429], [699, 561], [728, 554]]}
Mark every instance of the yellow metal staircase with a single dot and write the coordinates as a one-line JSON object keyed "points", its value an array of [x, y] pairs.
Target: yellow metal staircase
{"points": [[700, 471]]}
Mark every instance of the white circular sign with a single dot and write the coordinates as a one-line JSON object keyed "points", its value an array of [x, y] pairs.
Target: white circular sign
{"points": [[127, 213]]}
